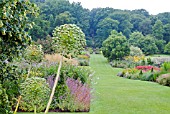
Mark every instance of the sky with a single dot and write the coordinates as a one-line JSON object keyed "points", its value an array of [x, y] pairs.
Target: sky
{"points": [[152, 6]]}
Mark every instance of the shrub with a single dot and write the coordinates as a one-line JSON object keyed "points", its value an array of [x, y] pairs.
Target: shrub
{"points": [[46, 43], [135, 51], [166, 66], [35, 93], [128, 62], [149, 61], [115, 46], [164, 79], [131, 73], [33, 54], [147, 76], [145, 73], [4, 101]]}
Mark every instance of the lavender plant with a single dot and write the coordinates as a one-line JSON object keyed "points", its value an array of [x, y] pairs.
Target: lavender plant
{"points": [[81, 94]]}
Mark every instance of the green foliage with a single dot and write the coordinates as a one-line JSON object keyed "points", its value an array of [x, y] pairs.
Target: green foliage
{"points": [[145, 26], [167, 48], [166, 33], [58, 12], [46, 43], [33, 54], [4, 102], [13, 38], [134, 73], [115, 46], [14, 22], [165, 66], [65, 101], [69, 39], [135, 51], [160, 45], [147, 76], [149, 61], [147, 45], [99, 22], [35, 93], [83, 62], [134, 38], [158, 30]]}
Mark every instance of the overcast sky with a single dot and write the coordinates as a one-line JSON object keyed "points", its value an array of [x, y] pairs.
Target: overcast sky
{"points": [[152, 6]]}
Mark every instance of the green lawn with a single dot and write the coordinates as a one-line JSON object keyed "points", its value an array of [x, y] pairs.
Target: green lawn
{"points": [[116, 95]]}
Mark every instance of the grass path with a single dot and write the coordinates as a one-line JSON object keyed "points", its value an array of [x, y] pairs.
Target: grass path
{"points": [[115, 95]]}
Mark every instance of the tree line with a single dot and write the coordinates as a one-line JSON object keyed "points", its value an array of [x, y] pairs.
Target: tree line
{"points": [[98, 23]]}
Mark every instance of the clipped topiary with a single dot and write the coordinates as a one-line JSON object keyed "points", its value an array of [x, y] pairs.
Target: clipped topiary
{"points": [[35, 93]]}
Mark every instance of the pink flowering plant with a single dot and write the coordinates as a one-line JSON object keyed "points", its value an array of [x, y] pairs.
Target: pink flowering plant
{"points": [[81, 94], [147, 68]]}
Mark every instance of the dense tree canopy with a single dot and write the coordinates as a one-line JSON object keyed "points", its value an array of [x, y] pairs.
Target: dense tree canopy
{"points": [[147, 45], [99, 22]]}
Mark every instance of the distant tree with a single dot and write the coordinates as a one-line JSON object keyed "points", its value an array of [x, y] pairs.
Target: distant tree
{"points": [[97, 15], [166, 34], [136, 19], [141, 12], [63, 18], [115, 46], [134, 38], [167, 48], [164, 17], [104, 28], [40, 30], [125, 25], [145, 26], [147, 45], [160, 45], [157, 30]]}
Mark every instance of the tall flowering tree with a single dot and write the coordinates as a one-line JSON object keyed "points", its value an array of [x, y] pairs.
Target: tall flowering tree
{"points": [[67, 39]]}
